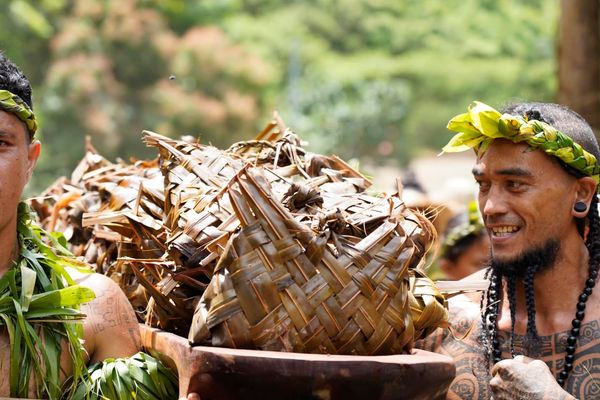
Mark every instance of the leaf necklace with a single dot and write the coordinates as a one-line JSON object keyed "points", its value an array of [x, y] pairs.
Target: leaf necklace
{"points": [[39, 308]]}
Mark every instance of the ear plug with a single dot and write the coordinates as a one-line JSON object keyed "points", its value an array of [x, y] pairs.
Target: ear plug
{"points": [[580, 206]]}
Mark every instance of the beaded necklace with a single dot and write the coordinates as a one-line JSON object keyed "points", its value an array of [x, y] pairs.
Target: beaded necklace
{"points": [[573, 334]]}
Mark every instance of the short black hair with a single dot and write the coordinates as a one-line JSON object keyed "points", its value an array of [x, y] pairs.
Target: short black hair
{"points": [[14, 80]]}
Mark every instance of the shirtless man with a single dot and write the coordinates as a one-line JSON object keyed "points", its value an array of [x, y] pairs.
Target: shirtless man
{"points": [[536, 334], [110, 328]]}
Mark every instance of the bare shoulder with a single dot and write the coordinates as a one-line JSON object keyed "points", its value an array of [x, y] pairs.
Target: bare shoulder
{"points": [[110, 301], [92, 280], [110, 327], [465, 309]]}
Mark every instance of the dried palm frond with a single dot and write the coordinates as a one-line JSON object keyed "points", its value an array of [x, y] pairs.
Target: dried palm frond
{"points": [[116, 220]]}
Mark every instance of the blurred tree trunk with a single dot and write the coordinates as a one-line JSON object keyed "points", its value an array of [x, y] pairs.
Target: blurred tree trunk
{"points": [[579, 59]]}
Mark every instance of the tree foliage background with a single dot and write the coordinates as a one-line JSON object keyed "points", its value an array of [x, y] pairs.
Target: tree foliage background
{"points": [[375, 80]]}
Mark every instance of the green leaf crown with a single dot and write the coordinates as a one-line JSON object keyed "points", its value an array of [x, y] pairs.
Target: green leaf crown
{"points": [[481, 124], [13, 104]]}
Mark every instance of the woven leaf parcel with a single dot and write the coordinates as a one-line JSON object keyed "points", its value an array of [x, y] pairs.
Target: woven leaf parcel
{"points": [[284, 285], [263, 245]]}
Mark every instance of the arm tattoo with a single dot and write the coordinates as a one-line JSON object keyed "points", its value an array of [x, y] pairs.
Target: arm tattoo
{"points": [[462, 343], [109, 310]]}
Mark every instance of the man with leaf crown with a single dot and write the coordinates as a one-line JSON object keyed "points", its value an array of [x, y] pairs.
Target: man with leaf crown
{"points": [[35, 285], [536, 332]]}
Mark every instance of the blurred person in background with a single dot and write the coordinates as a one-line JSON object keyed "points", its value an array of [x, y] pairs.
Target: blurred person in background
{"points": [[465, 245]]}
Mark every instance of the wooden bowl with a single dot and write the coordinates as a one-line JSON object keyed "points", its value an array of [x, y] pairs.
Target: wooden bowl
{"points": [[221, 373]]}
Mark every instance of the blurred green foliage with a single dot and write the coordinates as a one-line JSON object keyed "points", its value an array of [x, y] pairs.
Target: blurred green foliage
{"points": [[370, 79]]}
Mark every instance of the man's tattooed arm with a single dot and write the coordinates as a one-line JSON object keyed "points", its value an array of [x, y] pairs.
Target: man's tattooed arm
{"points": [[111, 327], [461, 341]]}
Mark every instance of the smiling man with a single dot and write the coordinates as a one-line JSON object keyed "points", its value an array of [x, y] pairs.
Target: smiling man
{"points": [[535, 335]]}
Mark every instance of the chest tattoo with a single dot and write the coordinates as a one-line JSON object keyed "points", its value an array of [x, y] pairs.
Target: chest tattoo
{"points": [[464, 344]]}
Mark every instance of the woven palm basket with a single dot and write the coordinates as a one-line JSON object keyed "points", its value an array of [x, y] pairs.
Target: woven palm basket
{"points": [[283, 284], [341, 274]]}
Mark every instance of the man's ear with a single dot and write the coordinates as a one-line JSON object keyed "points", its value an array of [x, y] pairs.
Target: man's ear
{"points": [[33, 153], [586, 189]]}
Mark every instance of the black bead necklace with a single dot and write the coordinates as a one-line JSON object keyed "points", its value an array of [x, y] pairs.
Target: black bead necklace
{"points": [[574, 334]]}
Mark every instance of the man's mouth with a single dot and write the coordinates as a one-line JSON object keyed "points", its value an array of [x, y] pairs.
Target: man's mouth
{"points": [[504, 230]]}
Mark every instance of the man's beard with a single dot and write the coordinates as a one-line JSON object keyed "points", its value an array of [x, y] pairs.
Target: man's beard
{"points": [[540, 259], [525, 268]]}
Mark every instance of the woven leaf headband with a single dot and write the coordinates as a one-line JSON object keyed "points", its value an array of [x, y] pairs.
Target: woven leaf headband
{"points": [[12, 103], [481, 124]]}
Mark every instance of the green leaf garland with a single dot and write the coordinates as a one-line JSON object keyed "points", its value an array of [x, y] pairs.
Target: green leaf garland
{"points": [[481, 124], [39, 308]]}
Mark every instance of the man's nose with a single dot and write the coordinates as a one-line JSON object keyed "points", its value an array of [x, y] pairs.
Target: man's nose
{"points": [[494, 205]]}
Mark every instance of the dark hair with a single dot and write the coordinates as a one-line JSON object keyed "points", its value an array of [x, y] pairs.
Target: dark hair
{"points": [[454, 252], [15, 81], [573, 125]]}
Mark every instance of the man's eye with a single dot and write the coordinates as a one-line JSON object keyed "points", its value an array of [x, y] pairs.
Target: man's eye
{"points": [[514, 185], [483, 185]]}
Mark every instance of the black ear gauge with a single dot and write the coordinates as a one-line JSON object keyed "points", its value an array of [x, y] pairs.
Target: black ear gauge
{"points": [[580, 206]]}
